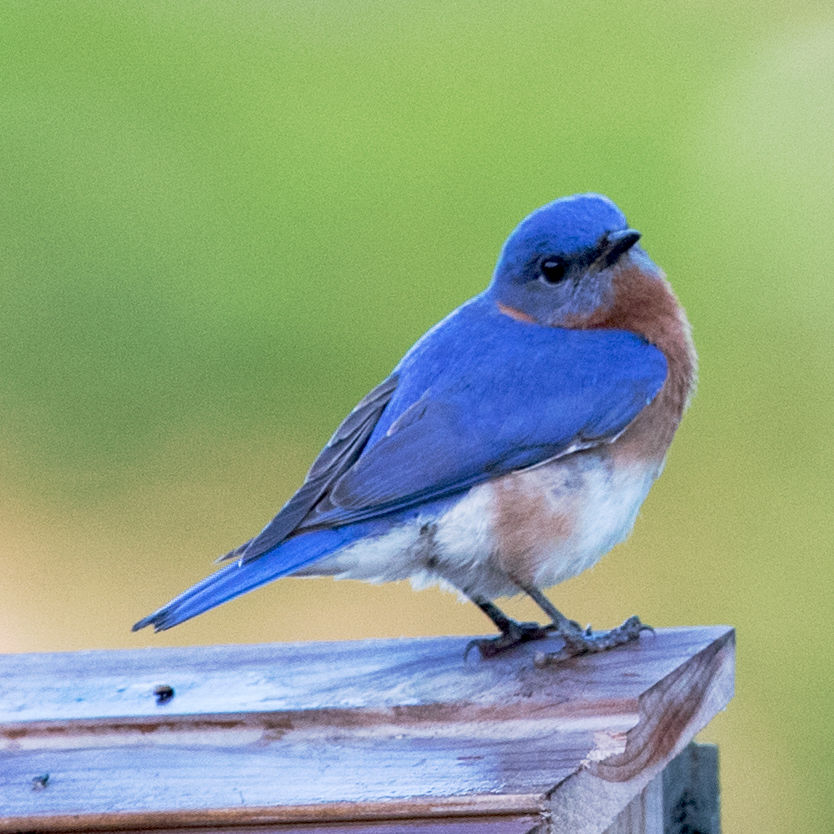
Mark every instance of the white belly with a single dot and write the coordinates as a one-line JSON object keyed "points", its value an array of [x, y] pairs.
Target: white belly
{"points": [[606, 508], [537, 527]]}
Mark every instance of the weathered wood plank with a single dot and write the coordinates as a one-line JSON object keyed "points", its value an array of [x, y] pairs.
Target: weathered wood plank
{"points": [[670, 713], [473, 825], [373, 677], [644, 814], [369, 732]]}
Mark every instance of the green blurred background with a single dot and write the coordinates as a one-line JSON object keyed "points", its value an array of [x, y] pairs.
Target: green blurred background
{"points": [[222, 223]]}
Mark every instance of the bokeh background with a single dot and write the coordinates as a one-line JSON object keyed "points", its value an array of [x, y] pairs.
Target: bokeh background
{"points": [[222, 223]]}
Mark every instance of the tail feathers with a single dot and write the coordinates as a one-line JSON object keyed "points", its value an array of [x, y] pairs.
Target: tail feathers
{"points": [[238, 578]]}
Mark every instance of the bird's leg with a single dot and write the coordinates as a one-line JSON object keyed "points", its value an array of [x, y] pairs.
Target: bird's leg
{"points": [[512, 632], [580, 640]]}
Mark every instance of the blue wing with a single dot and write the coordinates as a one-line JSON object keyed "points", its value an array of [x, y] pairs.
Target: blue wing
{"points": [[340, 453], [483, 395], [480, 395]]}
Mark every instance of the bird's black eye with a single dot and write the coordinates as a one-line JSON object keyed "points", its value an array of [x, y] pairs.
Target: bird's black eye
{"points": [[552, 269]]}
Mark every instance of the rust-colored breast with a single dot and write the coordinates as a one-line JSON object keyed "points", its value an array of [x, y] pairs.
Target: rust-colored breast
{"points": [[644, 303]]}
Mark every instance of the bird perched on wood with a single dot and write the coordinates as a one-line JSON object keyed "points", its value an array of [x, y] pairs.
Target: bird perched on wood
{"points": [[509, 449]]}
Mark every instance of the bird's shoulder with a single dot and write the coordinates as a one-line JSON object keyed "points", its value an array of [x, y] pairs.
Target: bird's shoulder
{"points": [[479, 356]]}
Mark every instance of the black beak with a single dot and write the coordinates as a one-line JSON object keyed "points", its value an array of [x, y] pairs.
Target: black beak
{"points": [[617, 244]]}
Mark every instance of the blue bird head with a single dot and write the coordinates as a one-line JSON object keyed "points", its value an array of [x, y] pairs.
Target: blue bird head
{"points": [[559, 264]]}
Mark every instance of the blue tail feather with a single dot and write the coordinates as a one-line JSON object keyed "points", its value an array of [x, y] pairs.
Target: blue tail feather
{"points": [[236, 579]]}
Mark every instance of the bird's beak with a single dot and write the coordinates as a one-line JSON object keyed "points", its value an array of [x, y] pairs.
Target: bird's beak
{"points": [[617, 244]]}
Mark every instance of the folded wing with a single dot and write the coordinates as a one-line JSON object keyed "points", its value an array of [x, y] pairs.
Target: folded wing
{"points": [[435, 428], [511, 414]]}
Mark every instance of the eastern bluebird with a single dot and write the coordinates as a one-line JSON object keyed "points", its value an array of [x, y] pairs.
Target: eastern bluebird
{"points": [[509, 449]]}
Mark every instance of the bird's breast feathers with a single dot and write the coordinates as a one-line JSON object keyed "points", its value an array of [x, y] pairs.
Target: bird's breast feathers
{"points": [[536, 527]]}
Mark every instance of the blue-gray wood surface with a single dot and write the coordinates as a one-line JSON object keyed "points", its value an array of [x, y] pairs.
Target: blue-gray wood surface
{"points": [[353, 732]]}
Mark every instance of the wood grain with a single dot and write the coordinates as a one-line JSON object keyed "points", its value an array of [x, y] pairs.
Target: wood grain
{"points": [[644, 814], [392, 732]]}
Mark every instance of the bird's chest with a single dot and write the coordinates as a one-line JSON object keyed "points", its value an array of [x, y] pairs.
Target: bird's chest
{"points": [[546, 524]]}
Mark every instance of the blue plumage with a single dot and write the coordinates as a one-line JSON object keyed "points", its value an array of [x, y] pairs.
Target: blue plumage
{"points": [[236, 579], [568, 226], [467, 383]]}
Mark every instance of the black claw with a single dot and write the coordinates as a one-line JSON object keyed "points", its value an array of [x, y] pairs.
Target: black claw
{"points": [[514, 635], [482, 645]]}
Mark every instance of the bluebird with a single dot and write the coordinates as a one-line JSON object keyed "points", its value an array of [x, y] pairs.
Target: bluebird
{"points": [[510, 448]]}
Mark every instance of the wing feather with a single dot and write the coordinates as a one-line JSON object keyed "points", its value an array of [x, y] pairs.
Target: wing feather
{"points": [[336, 458], [481, 395], [505, 418]]}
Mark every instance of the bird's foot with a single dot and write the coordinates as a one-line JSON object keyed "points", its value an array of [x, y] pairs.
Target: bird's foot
{"points": [[514, 634], [583, 641]]}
